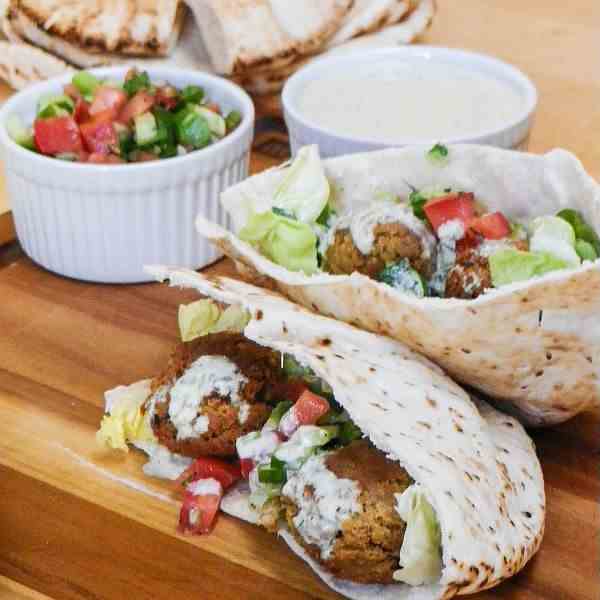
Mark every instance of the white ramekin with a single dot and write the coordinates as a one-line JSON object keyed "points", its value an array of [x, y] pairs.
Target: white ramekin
{"points": [[104, 222], [513, 135]]}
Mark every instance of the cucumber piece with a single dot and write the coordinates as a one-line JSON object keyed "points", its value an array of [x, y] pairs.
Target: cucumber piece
{"points": [[146, 129], [401, 276], [55, 105], [191, 128], [232, 120], [19, 133], [86, 83], [216, 123]]}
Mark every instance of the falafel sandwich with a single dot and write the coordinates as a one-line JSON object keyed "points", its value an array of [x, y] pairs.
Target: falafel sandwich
{"points": [[363, 456], [484, 260]]}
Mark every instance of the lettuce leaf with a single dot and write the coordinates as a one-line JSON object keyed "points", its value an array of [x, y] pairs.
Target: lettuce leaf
{"points": [[124, 422], [508, 266], [285, 241], [304, 190], [421, 551], [205, 316]]}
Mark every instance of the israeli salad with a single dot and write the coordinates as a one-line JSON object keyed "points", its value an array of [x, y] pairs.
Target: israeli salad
{"points": [[107, 122]]}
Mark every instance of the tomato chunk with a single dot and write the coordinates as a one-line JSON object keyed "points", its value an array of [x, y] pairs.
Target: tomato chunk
{"points": [[451, 207], [310, 408], [198, 513], [82, 111], [139, 104], [99, 135], [167, 97], [104, 159], [108, 98], [211, 468], [57, 135], [72, 91], [247, 466], [493, 226]]}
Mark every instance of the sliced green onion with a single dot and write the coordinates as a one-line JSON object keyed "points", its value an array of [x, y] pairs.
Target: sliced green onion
{"points": [[55, 106], [275, 472], [19, 133]]}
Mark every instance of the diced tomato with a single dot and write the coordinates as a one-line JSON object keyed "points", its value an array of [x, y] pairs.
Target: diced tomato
{"points": [[82, 156], [104, 159], [108, 98], [310, 408], [72, 91], [211, 468], [459, 206], [99, 135], [139, 104], [57, 135], [143, 156], [493, 226], [198, 513], [246, 466], [82, 111]]}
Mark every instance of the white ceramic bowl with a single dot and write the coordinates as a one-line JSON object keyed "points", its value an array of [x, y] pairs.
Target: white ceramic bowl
{"points": [[514, 134], [104, 222]]}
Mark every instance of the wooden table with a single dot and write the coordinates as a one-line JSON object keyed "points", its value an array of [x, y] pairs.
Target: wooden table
{"points": [[77, 523]]}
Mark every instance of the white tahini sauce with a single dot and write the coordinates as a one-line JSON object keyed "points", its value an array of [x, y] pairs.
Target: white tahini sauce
{"points": [[205, 487], [205, 376], [417, 101], [449, 233], [362, 225], [163, 463], [321, 515]]}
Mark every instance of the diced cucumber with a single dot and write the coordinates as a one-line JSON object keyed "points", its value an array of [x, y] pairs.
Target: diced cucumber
{"points": [[216, 123], [86, 83], [55, 106], [19, 133], [146, 129], [191, 128], [401, 276], [232, 120]]}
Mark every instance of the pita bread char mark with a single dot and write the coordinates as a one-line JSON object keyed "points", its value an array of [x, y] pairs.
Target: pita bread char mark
{"points": [[244, 35], [477, 466], [142, 28], [533, 346]]}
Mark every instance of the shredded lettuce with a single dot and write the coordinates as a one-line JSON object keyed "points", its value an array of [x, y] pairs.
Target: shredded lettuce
{"points": [[205, 316], [508, 266], [421, 551], [304, 190], [125, 422], [287, 242], [554, 236]]}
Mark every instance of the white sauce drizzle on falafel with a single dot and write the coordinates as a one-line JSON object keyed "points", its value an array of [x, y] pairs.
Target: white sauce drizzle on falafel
{"points": [[322, 512], [205, 376]]}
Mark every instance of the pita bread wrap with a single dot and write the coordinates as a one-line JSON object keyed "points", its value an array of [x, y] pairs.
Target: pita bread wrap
{"points": [[534, 346], [477, 467]]}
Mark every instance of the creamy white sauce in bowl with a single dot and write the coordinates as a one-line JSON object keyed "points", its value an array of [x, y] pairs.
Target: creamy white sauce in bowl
{"points": [[414, 95]]}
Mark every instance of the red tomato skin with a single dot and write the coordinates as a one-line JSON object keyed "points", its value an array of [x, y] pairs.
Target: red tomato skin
{"points": [[139, 104], [459, 206], [104, 159], [493, 226], [203, 520], [211, 468], [246, 466], [82, 111], [214, 107], [57, 135], [167, 97], [310, 408], [108, 98], [99, 135]]}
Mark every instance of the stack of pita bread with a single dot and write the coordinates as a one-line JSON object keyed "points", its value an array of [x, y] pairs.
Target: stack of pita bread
{"points": [[258, 43]]}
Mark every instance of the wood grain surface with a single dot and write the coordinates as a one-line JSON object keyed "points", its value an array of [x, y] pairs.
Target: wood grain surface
{"points": [[79, 523]]}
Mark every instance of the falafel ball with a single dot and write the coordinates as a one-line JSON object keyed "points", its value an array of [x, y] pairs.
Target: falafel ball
{"points": [[392, 242], [259, 365], [366, 549]]}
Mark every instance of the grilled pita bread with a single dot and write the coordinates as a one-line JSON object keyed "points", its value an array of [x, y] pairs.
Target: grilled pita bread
{"points": [[415, 23], [87, 33], [244, 35], [22, 64], [367, 16]]}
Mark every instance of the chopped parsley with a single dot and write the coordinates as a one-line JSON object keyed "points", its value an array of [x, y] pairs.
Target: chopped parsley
{"points": [[438, 154]]}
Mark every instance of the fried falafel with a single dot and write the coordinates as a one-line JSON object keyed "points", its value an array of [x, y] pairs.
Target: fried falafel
{"points": [[366, 548], [392, 242], [224, 421]]}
